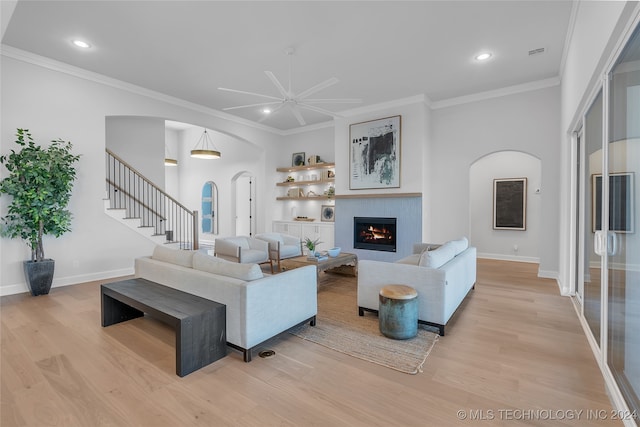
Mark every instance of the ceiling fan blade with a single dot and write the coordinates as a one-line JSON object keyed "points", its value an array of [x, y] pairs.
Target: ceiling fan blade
{"points": [[333, 101], [249, 93], [318, 110], [318, 87], [298, 115], [277, 83], [251, 105]]}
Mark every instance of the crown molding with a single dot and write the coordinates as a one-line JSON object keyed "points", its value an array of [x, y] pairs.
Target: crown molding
{"points": [[569, 36], [509, 90], [51, 64], [416, 99], [361, 110], [308, 128]]}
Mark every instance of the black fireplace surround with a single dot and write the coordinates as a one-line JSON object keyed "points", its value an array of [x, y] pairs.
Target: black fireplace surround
{"points": [[375, 234]]}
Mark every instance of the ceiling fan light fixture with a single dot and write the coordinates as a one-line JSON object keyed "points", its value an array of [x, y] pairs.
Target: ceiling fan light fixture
{"points": [[290, 99], [205, 149], [483, 56], [81, 43]]}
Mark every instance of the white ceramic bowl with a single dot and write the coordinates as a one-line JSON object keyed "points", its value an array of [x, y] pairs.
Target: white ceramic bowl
{"points": [[334, 252]]}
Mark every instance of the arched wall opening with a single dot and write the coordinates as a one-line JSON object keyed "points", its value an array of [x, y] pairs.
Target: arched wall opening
{"points": [[144, 142], [517, 245]]}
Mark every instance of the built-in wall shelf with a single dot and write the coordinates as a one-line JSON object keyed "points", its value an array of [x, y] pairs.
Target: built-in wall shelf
{"points": [[318, 184], [321, 197], [307, 167], [300, 183], [376, 195]]}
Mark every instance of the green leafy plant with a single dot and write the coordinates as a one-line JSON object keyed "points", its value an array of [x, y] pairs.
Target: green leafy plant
{"points": [[311, 244], [40, 182]]}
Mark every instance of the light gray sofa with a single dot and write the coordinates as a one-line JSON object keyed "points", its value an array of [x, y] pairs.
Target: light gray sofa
{"points": [[259, 306], [442, 277]]}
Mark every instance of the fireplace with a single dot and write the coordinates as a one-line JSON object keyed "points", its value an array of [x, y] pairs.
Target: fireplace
{"points": [[375, 234]]}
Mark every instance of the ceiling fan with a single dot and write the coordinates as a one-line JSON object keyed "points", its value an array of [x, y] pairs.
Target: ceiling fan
{"points": [[291, 100]]}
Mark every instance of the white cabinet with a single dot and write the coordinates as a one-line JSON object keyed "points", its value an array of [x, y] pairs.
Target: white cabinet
{"points": [[292, 228], [312, 230]]}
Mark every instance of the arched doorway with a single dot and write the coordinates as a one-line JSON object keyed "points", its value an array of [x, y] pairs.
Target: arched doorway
{"points": [[517, 245], [243, 186], [210, 208]]}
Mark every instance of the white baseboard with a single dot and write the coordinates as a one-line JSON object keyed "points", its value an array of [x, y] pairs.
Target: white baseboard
{"points": [[503, 257], [20, 288]]}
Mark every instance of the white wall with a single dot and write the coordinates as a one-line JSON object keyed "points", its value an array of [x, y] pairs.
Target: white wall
{"points": [[139, 141], [516, 245], [527, 122], [171, 173], [413, 140], [236, 156], [54, 104], [314, 141]]}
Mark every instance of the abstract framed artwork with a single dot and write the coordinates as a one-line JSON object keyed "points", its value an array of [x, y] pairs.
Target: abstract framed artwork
{"points": [[621, 202], [510, 204], [374, 153], [327, 213]]}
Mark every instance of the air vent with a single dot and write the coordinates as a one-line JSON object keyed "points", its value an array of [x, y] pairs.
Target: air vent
{"points": [[536, 51]]}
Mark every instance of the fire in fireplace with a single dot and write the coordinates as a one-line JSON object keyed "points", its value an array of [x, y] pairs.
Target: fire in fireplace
{"points": [[376, 234]]}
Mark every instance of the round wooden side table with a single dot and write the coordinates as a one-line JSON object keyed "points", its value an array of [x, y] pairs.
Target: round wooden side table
{"points": [[398, 312]]}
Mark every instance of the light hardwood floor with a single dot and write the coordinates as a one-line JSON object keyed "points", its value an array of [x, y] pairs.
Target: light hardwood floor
{"points": [[514, 354]]}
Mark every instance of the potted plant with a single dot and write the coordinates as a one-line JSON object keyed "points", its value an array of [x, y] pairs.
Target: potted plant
{"points": [[311, 245], [40, 181]]}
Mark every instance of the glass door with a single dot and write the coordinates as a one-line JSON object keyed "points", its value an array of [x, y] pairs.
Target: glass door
{"points": [[621, 221], [590, 200], [579, 257]]}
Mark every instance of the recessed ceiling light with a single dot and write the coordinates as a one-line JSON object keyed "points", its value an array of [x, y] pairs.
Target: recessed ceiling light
{"points": [[81, 43], [483, 56], [266, 110]]}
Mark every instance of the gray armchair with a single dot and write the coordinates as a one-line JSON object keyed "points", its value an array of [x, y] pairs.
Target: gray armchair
{"points": [[243, 249], [281, 246]]}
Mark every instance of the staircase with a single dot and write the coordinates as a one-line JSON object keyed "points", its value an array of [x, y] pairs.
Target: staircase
{"points": [[141, 205]]}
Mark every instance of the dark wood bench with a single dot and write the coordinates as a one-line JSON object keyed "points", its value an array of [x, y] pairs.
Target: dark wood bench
{"points": [[199, 323]]}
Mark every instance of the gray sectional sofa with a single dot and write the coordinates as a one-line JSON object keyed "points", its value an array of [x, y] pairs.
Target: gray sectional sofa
{"points": [[259, 306]]}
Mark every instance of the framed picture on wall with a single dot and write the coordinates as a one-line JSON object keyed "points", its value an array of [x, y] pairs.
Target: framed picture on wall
{"points": [[510, 204], [297, 159], [374, 153], [621, 202], [327, 213]]}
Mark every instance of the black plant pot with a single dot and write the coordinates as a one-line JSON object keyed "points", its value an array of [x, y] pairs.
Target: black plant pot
{"points": [[39, 275]]}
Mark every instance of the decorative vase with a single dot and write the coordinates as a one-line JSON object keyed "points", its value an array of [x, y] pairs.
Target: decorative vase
{"points": [[39, 275]]}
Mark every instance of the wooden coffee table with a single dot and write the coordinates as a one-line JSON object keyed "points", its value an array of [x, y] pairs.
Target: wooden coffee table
{"points": [[342, 263]]}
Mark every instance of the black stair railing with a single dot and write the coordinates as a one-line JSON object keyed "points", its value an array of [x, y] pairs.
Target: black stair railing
{"points": [[128, 189]]}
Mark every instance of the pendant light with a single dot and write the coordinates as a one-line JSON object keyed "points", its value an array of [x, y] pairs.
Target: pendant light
{"points": [[205, 149], [168, 158]]}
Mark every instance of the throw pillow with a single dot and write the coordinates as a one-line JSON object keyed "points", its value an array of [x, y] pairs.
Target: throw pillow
{"points": [[173, 256], [437, 257], [223, 267], [460, 244]]}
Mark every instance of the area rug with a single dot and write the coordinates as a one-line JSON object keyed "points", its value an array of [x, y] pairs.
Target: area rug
{"points": [[339, 327]]}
